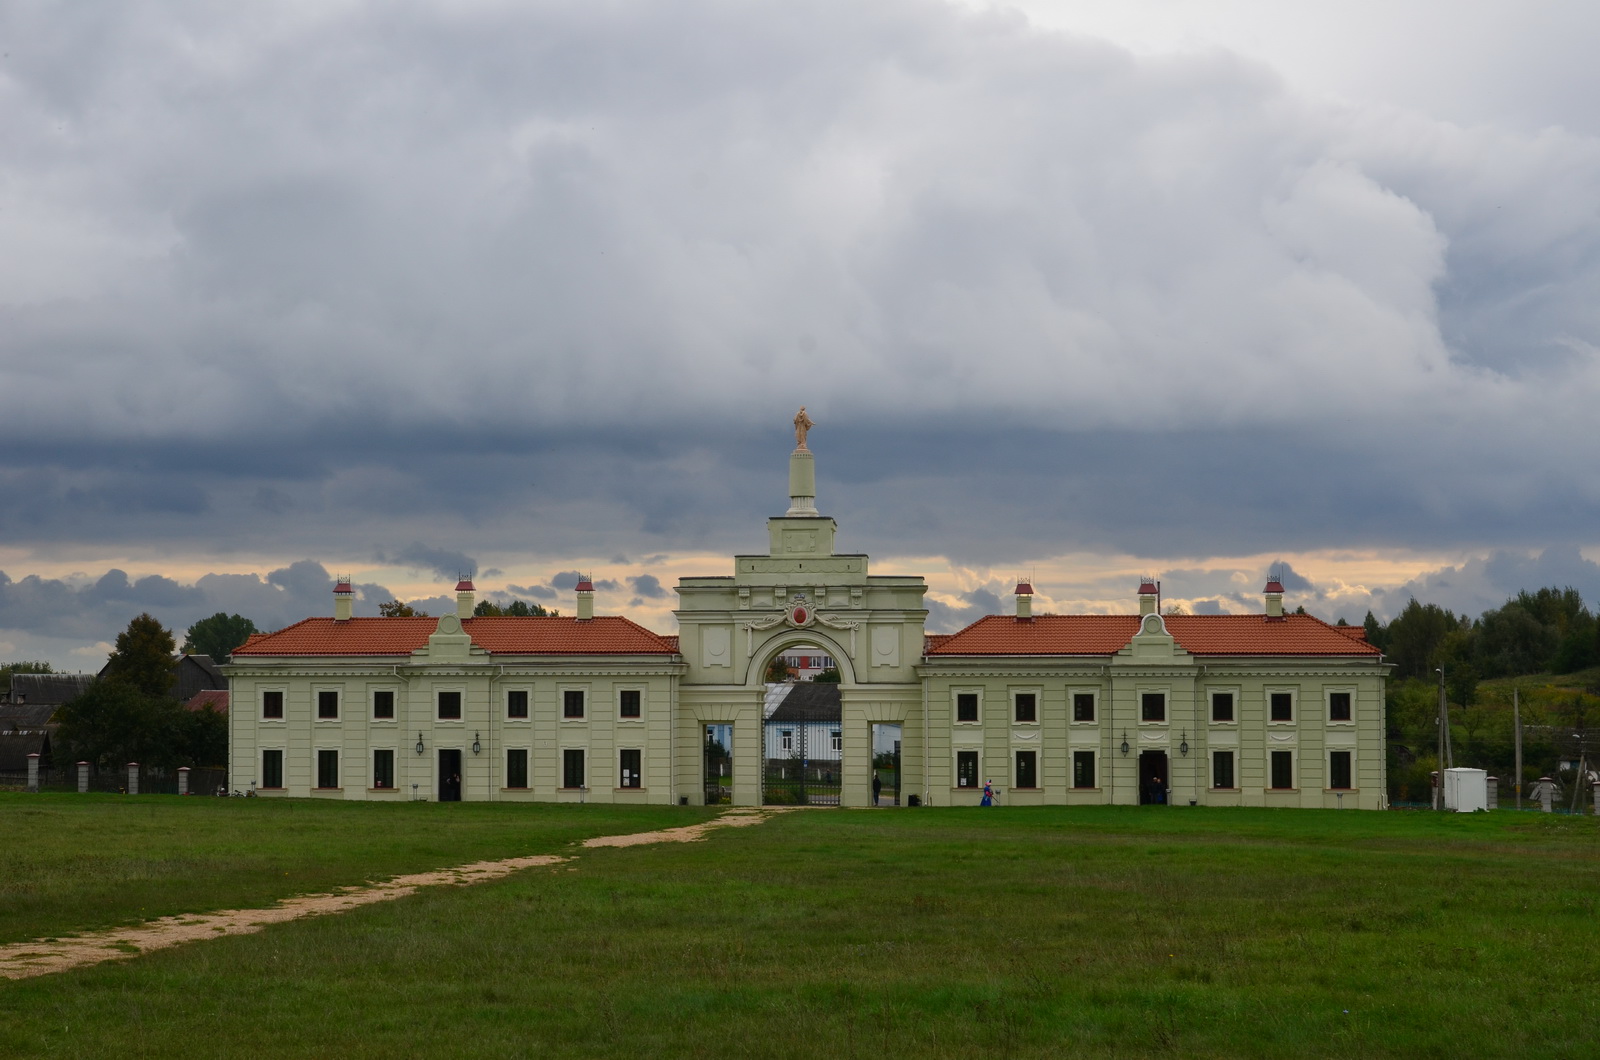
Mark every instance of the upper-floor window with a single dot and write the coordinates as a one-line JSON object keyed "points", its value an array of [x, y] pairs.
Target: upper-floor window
{"points": [[1222, 708], [517, 707], [1339, 709], [1083, 706], [1281, 706], [966, 706], [1153, 706], [572, 703], [450, 706], [838, 743], [1027, 709], [383, 705], [327, 707], [628, 704], [272, 706]]}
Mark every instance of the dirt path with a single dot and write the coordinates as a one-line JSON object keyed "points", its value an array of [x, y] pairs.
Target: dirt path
{"points": [[23, 960]]}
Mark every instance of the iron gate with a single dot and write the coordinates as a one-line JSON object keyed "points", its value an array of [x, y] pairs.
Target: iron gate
{"points": [[718, 772], [804, 764]]}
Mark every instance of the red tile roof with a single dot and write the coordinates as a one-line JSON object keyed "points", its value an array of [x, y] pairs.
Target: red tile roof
{"points": [[215, 698], [1108, 634], [501, 635]]}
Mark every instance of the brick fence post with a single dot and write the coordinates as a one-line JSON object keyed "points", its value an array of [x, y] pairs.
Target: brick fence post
{"points": [[33, 771], [83, 777], [133, 778], [183, 780]]}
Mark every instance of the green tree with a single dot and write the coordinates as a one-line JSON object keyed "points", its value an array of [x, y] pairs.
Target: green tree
{"points": [[395, 609], [777, 671], [829, 676], [1514, 640], [23, 666], [218, 635], [515, 609], [1415, 637], [1376, 633], [202, 737], [143, 657], [115, 722]]}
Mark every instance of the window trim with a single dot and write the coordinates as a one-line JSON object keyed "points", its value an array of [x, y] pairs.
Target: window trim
{"points": [[394, 706], [316, 703], [372, 778], [338, 769], [281, 785], [584, 785], [1038, 703], [527, 769], [1094, 768], [1328, 765], [1233, 769], [638, 774], [1293, 765], [1211, 710], [444, 690], [527, 703], [955, 765], [631, 719], [1016, 769], [283, 704], [1294, 704], [955, 705], [561, 698], [1328, 692], [1072, 705], [1165, 692]]}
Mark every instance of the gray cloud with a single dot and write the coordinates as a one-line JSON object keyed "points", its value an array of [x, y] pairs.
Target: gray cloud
{"points": [[446, 563], [648, 586], [945, 618]]}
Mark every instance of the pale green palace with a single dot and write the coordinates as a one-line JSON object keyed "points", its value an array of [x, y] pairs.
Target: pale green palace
{"points": [[1267, 709]]}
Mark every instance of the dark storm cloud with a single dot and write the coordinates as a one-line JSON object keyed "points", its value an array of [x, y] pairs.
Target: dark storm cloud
{"points": [[445, 562], [945, 618], [647, 586], [554, 278]]}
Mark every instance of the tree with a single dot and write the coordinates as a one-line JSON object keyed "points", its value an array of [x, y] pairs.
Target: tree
{"points": [[515, 609], [115, 722], [395, 609], [1415, 636], [777, 671], [1376, 634], [218, 635], [143, 658], [829, 676], [23, 666]]}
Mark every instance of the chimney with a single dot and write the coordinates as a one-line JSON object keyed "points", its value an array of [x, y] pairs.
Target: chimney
{"points": [[344, 598], [1274, 594], [1024, 602], [585, 600], [1149, 596], [466, 599]]}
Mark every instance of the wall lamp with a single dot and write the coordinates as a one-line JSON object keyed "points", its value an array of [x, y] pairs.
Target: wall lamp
{"points": [[419, 744], [476, 746], [1183, 748], [1124, 743]]}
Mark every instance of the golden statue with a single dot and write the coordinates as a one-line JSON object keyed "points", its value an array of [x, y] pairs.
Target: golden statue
{"points": [[802, 424]]}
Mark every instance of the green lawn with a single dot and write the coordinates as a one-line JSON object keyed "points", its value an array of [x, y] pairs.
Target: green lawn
{"points": [[1105, 931], [74, 862]]}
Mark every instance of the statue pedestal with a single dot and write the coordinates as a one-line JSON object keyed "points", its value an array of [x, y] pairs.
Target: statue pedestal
{"points": [[802, 484]]}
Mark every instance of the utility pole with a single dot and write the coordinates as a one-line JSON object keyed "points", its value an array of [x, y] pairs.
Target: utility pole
{"points": [[1516, 721]]}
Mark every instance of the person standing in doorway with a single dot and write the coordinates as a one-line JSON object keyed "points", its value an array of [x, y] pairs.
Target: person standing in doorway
{"points": [[988, 793], [877, 787]]}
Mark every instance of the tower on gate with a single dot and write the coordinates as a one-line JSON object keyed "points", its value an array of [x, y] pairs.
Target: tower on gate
{"points": [[801, 592]]}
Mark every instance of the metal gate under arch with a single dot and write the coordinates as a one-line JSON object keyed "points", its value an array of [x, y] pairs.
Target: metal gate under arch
{"points": [[803, 748]]}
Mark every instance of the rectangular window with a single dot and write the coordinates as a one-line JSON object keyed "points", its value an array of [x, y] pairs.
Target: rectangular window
{"points": [[966, 769], [967, 706], [628, 705], [1282, 707], [572, 768], [1338, 706], [327, 769], [1339, 770], [786, 739], [1222, 769], [1027, 770], [572, 703], [1027, 708], [1153, 706], [449, 706], [517, 767], [272, 768], [327, 703], [1083, 706], [517, 703], [272, 704], [1283, 769], [631, 776], [1083, 769], [383, 769], [383, 705], [1222, 708]]}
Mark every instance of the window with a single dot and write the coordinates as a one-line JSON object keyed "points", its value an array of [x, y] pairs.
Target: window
{"points": [[1282, 707], [517, 767], [838, 744], [1083, 769], [327, 703], [449, 706], [327, 769], [1027, 709], [966, 769], [786, 740], [631, 777], [1083, 706], [967, 706], [1027, 770], [1222, 769], [272, 704], [272, 767], [1339, 770], [1283, 769], [1338, 707], [383, 769], [572, 767], [1153, 706], [572, 703], [517, 706], [383, 705], [1222, 710], [628, 705]]}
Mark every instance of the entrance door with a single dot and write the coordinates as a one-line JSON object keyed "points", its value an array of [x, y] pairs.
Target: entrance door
{"points": [[450, 776], [886, 764], [719, 765], [1153, 778]]}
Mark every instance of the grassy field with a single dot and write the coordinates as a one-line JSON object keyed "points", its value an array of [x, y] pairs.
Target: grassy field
{"points": [[1105, 931], [75, 862]]}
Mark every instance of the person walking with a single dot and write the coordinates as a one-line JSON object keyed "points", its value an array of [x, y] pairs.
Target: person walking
{"points": [[988, 793], [877, 787]]}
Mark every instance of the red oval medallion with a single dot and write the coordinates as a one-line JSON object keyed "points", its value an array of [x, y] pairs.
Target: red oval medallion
{"points": [[799, 616]]}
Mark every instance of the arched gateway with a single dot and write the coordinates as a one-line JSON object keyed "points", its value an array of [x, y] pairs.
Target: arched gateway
{"points": [[801, 593]]}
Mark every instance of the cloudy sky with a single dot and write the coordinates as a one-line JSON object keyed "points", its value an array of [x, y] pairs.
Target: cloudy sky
{"points": [[1080, 290]]}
